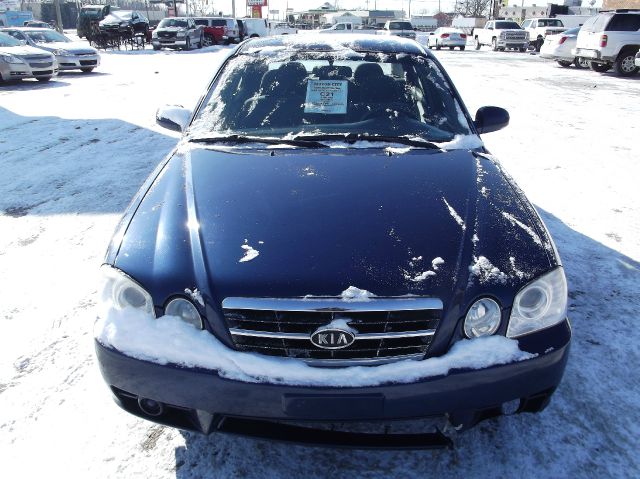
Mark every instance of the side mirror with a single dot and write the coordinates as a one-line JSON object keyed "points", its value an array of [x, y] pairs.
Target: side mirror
{"points": [[489, 28], [173, 117], [432, 33], [491, 118]]}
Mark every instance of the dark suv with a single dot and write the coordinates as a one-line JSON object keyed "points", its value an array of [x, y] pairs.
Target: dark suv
{"points": [[125, 21]]}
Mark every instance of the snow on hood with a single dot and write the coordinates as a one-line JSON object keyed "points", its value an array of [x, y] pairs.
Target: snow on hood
{"points": [[73, 47], [169, 340], [21, 50]]}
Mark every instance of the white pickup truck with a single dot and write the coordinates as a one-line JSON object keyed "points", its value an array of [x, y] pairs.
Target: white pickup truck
{"points": [[539, 28], [501, 35]]}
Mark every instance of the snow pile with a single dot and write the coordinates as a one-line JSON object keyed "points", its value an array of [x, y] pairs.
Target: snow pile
{"points": [[356, 294], [463, 142], [169, 340], [249, 252], [485, 271], [515, 222], [454, 214]]}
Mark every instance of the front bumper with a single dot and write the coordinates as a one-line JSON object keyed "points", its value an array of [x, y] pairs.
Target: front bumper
{"points": [[17, 71], [197, 399], [502, 43], [169, 42], [76, 62]]}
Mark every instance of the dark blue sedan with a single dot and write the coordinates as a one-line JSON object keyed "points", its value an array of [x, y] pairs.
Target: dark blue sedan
{"points": [[330, 241]]}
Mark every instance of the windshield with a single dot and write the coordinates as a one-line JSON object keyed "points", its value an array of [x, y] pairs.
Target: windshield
{"points": [[286, 93], [47, 36], [550, 23], [507, 26], [117, 17], [173, 22], [7, 41], [400, 26]]}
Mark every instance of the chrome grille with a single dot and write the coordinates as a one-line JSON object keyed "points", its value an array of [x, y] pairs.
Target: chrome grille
{"points": [[515, 36], [388, 329], [40, 65]]}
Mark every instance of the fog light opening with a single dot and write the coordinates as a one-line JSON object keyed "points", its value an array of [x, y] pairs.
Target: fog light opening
{"points": [[150, 407], [511, 407]]}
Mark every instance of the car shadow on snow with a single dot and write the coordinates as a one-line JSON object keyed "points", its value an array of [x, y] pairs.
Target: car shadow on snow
{"points": [[31, 84], [54, 165], [584, 432]]}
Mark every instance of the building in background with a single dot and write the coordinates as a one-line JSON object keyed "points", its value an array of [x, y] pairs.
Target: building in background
{"points": [[613, 4]]}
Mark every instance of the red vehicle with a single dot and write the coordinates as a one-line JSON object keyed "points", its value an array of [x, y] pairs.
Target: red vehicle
{"points": [[219, 30]]}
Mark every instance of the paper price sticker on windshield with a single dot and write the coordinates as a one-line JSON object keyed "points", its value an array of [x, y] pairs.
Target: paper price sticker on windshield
{"points": [[326, 96]]}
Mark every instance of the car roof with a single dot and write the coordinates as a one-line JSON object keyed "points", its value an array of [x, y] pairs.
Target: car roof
{"points": [[359, 43]]}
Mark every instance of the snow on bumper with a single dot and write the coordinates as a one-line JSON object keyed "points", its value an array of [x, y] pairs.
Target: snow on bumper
{"points": [[168, 340]]}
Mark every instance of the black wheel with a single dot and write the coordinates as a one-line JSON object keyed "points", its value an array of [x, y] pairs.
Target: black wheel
{"points": [[451, 48], [564, 63], [624, 64], [477, 44], [494, 44], [87, 70], [461, 49], [539, 43], [599, 67], [43, 79], [522, 49], [156, 47], [187, 44], [208, 41], [580, 62], [201, 41], [438, 47]]}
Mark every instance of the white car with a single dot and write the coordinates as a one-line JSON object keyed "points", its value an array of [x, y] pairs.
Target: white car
{"points": [[69, 55], [559, 48], [18, 61], [447, 37], [611, 40]]}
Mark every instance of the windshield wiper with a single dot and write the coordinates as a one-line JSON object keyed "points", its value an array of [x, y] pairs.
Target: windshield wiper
{"points": [[353, 137], [302, 142]]}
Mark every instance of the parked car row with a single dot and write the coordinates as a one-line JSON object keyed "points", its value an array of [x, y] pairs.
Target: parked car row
{"points": [[41, 52], [609, 40]]}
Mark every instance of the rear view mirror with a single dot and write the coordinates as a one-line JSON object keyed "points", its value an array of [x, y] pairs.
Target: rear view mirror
{"points": [[173, 117], [491, 118]]}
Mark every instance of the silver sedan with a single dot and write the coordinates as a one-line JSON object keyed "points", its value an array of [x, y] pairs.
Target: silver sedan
{"points": [[70, 55], [447, 37], [18, 61]]}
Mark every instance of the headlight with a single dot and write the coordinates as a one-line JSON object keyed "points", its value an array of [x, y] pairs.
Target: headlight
{"points": [[503, 34], [10, 59], [483, 318], [540, 304], [181, 34], [64, 53], [124, 292], [185, 310]]}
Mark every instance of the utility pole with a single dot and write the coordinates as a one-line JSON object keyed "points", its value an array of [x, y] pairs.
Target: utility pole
{"points": [[58, 16], [233, 8]]}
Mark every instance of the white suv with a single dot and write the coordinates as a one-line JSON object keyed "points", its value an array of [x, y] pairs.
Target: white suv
{"points": [[611, 40]]}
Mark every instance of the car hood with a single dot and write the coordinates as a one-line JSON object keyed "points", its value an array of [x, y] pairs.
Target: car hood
{"points": [[72, 47], [290, 223], [22, 50], [171, 29]]}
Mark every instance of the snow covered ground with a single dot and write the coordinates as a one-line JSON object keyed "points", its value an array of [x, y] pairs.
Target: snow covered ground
{"points": [[74, 151]]}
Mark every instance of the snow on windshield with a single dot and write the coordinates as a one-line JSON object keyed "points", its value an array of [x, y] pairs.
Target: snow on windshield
{"points": [[275, 92]]}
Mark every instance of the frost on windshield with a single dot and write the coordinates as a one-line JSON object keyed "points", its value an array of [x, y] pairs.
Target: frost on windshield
{"points": [[272, 91]]}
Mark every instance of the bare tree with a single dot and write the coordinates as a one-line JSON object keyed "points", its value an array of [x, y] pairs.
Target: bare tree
{"points": [[472, 8]]}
